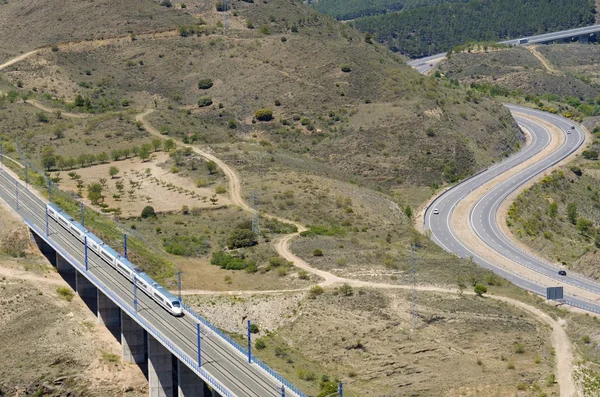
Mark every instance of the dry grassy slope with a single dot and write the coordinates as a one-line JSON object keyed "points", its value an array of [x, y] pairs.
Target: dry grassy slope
{"points": [[517, 68], [25, 25], [47, 343], [463, 346], [384, 141]]}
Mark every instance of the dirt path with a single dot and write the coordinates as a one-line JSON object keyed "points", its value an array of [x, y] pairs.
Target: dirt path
{"points": [[18, 59], [38, 105], [547, 64]]}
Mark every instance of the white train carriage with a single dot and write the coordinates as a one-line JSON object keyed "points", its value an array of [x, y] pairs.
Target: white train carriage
{"points": [[151, 288]]}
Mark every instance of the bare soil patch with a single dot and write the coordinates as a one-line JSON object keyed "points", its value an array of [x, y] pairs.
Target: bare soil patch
{"points": [[159, 188]]}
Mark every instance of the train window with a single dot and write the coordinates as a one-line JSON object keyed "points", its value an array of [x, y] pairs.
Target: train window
{"points": [[157, 296], [106, 255]]}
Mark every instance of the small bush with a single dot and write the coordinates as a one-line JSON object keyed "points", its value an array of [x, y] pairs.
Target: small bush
{"points": [[166, 3], [510, 366], [346, 68], [303, 275], [264, 114], [148, 212], [254, 328], [202, 182], [480, 289], [264, 29], [65, 293], [249, 24], [317, 252], [220, 189], [205, 84], [260, 344], [306, 374], [204, 101], [590, 155], [316, 291], [585, 339], [519, 348]]}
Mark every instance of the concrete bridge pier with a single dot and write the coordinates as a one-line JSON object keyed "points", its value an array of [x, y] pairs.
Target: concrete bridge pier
{"points": [[87, 292], [45, 248], [109, 314], [161, 382], [67, 271], [133, 340], [189, 384]]}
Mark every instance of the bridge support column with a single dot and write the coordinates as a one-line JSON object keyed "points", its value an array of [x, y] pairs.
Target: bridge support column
{"points": [[109, 314], [133, 340], [67, 271], [584, 38], [45, 248], [160, 369], [188, 383], [87, 292]]}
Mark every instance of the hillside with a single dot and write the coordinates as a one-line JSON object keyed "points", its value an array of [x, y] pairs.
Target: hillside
{"points": [[559, 70], [59, 21], [378, 123], [429, 30]]}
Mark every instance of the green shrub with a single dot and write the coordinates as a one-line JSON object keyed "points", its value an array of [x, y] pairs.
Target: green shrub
{"points": [[264, 29], [316, 291], [204, 101], [148, 212], [479, 289], [590, 155], [205, 84], [254, 328], [260, 344], [220, 189], [264, 114], [226, 261], [239, 238], [306, 374], [65, 293], [346, 68], [317, 252]]}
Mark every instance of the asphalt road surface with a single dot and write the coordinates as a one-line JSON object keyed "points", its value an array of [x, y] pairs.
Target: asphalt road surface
{"points": [[424, 65], [483, 215], [222, 361]]}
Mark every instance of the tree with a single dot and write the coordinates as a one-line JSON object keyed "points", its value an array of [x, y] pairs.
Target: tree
{"points": [[102, 157], [264, 114], [204, 101], [572, 212], [144, 152], [408, 212], [156, 143], [480, 289], [48, 157], [346, 290], [460, 283], [115, 154], [113, 171], [148, 212], [95, 193], [205, 84], [240, 238], [211, 166], [168, 145]]}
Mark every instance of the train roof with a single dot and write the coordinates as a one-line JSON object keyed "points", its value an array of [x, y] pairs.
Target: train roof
{"points": [[140, 274]]}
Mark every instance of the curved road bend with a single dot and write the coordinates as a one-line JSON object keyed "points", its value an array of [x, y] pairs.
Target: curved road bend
{"points": [[222, 361], [483, 215]]}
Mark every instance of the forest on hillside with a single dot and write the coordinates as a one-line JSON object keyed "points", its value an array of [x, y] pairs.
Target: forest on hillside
{"points": [[422, 31], [344, 10]]}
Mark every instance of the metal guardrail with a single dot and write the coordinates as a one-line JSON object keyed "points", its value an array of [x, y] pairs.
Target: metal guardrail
{"points": [[244, 351]]}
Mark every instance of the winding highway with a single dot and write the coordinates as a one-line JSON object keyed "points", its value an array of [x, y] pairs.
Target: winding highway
{"points": [[483, 216]]}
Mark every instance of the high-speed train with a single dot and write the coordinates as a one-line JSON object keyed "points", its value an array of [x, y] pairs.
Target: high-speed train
{"points": [[121, 264]]}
